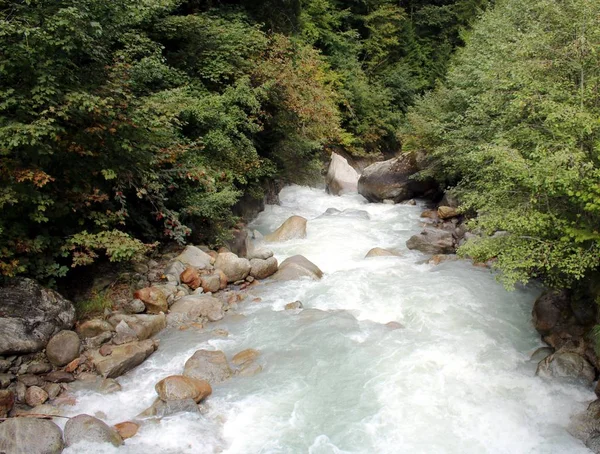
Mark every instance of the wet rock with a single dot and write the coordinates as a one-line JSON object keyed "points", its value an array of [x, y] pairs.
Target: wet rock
{"points": [[53, 390], [261, 269], [566, 364], [551, 311], [39, 368], [445, 212], [63, 348], [123, 358], [541, 353], [191, 277], [440, 258], [347, 213], [341, 177], [586, 426], [30, 436], [161, 408], [35, 396], [109, 386], [91, 430], [195, 257], [93, 328], [59, 376], [211, 283], [177, 387], [393, 325], [234, 267], [294, 227], [143, 326], [7, 401], [245, 356], [31, 316], [153, 298], [432, 241], [430, 214], [191, 308], [208, 365], [293, 306], [134, 306], [391, 180], [297, 267], [380, 252], [31, 380], [127, 429]]}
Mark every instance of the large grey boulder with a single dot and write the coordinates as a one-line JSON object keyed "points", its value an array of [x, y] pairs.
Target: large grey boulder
{"points": [[380, 252], [143, 325], [161, 408], [208, 365], [91, 430], [122, 358], [31, 315], [586, 426], [294, 227], [297, 267], [261, 269], [341, 177], [234, 267], [191, 308], [63, 348], [391, 180], [347, 213], [432, 241], [193, 256], [30, 436], [566, 364]]}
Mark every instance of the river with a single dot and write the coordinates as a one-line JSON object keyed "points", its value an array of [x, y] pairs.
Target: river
{"points": [[456, 379]]}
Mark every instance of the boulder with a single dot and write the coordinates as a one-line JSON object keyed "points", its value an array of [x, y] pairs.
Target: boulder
{"points": [[261, 253], [31, 315], [430, 214], [261, 269], [239, 243], [195, 257], [391, 180], [294, 227], [153, 298], [35, 396], [432, 241], [30, 436], [63, 348], [7, 401], [92, 328], [245, 356], [59, 376], [144, 326], [341, 177], [294, 305], [190, 277], [127, 429], [234, 267], [222, 279], [191, 308], [177, 387], [347, 213], [208, 365], [566, 364], [380, 252], [90, 430], [211, 282], [123, 358], [297, 267], [160, 408], [449, 200], [445, 212], [134, 306], [550, 310]]}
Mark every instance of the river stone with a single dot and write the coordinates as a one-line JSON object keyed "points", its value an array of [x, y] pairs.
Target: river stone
{"points": [[153, 298], [195, 257], [134, 306], [297, 267], [391, 180], [347, 213], [63, 348], [190, 277], [432, 241], [7, 401], [380, 252], [261, 254], [91, 430], [293, 306], [127, 429], [566, 364], [341, 177], [123, 358], [551, 309], [234, 267], [144, 326], [294, 227], [31, 315], [245, 356], [93, 328], [208, 365], [445, 212], [261, 269], [30, 436], [177, 387], [211, 283], [59, 376], [191, 308], [35, 396], [39, 368], [161, 408], [53, 390]]}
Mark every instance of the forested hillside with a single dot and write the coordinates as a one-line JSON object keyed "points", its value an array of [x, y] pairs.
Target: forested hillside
{"points": [[515, 128], [127, 122]]}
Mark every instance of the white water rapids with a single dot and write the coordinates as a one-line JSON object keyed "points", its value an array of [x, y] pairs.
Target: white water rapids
{"points": [[456, 379]]}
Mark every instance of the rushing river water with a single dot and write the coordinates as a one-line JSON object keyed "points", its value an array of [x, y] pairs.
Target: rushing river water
{"points": [[456, 379]]}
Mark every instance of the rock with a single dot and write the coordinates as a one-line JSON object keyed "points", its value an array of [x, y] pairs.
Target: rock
{"points": [[541, 353], [53, 390], [566, 364], [143, 326], [174, 270], [91, 430], [7, 401], [211, 283], [127, 429], [449, 200], [347, 213], [445, 212], [235, 268], [109, 386], [4, 365], [222, 278], [341, 177], [123, 358], [31, 315], [35, 396], [39, 368], [20, 390], [153, 298], [239, 243], [550, 310], [191, 277], [124, 334], [261, 269], [294, 227], [249, 369], [380, 252], [297, 267], [177, 387], [5, 380], [191, 308], [245, 356], [430, 214], [63, 348], [432, 241], [262, 254], [195, 257], [59, 376], [93, 328], [96, 342], [106, 350], [393, 325], [161, 408], [293, 306], [391, 180], [30, 436], [30, 380], [208, 365], [134, 306]]}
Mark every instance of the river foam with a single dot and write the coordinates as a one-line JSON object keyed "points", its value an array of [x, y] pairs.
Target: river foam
{"points": [[456, 379]]}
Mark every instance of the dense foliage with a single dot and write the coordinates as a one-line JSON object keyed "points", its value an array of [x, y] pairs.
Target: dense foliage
{"points": [[126, 122], [515, 128]]}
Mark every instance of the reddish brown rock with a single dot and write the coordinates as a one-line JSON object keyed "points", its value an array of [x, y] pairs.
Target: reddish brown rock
{"points": [[154, 300], [127, 429], [245, 356], [178, 387], [35, 396], [191, 277], [73, 365]]}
